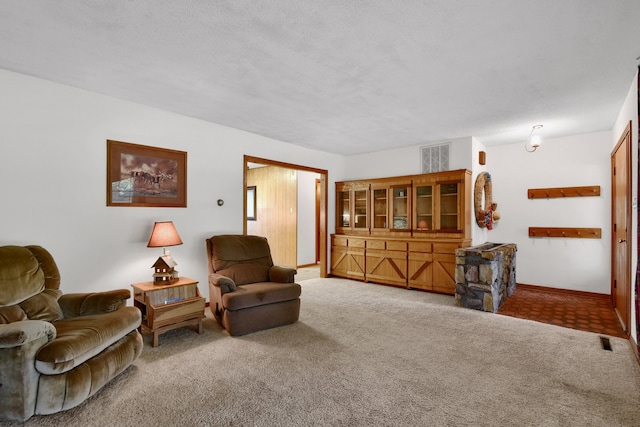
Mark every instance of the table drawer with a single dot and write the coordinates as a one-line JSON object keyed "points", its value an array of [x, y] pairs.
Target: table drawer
{"points": [[167, 314]]}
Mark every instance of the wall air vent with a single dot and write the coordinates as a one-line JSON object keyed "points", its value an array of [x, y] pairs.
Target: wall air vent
{"points": [[435, 158]]}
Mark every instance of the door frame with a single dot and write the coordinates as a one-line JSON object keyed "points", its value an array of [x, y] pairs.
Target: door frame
{"points": [[324, 179], [318, 209], [625, 137]]}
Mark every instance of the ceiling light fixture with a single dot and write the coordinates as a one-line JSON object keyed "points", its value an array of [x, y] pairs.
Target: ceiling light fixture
{"points": [[534, 140]]}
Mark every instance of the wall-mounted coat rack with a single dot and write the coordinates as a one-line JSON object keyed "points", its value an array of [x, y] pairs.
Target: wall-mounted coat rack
{"points": [[548, 193], [577, 233]]}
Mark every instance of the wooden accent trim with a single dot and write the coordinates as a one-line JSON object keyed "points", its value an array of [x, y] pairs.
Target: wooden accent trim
{"points": [[251, 159], [577, 233], [548, 193]]}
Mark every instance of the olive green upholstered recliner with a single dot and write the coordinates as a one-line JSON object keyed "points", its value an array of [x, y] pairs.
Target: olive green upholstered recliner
{"points": [[57, 350]]}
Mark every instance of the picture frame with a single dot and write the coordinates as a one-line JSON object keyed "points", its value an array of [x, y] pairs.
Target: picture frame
{"points": [[251, 203], [145, 176]]}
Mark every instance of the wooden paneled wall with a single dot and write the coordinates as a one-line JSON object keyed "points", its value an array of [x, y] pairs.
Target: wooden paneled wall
{"points": [[276, 211]]}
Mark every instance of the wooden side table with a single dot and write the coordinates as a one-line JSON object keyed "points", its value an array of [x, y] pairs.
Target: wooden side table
{"points": [[167, 307]]}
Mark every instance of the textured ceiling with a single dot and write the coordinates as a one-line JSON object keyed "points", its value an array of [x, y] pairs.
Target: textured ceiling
{"points": [[343, 76]]}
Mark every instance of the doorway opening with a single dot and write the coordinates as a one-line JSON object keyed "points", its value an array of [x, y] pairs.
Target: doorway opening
{"points": [[319, 193]]}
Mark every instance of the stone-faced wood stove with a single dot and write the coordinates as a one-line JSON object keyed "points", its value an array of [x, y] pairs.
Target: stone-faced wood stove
{"points": [[485, 275]]}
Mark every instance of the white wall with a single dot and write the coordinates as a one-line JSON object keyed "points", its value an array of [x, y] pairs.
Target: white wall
{"points": [[404, 161], [629, 112], [580, 160], [307, 217], [478, 235], [53, 181]]}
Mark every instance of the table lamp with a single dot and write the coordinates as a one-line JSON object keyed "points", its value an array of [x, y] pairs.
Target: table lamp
{"points": [[164, 234]]}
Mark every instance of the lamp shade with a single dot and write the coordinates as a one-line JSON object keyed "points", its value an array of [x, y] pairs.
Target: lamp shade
{"points": [[164, 234]]}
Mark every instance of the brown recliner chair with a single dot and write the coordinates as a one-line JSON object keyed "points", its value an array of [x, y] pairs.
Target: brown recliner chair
{"points": [[57, 350], [247, 293]]}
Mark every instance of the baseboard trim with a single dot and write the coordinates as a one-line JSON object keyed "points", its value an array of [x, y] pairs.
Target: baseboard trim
{"points": [[636, 349], [568, 292], [307, 265]]}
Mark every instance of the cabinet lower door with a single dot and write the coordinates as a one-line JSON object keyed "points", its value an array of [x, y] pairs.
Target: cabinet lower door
{"points": [[420, 270], [444, 273], [387, 267], [355, 263], [339, 261]]}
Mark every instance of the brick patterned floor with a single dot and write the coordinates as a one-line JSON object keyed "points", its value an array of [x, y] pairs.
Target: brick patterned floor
{"points": [[583, 312]]}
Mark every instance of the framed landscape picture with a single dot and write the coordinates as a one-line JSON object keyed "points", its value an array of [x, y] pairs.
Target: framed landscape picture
{"points": [[139, 175]]}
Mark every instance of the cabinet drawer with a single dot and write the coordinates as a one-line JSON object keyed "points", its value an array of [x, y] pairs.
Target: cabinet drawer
{"points": [[420, 247], [396, 246], [376, 244], [339, 241], [162, 315], [420, 257], [357, 243], [447, 248]]}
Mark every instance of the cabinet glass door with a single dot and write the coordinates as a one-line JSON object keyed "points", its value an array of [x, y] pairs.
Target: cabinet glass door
{"points": [[360, 209], [343, 209], [400, 208], [449, 206], [380, 208], [424, 207]]}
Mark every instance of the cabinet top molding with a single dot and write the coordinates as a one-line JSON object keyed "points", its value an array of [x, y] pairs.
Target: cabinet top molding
{"points": [[549, 193], [452, 174]]}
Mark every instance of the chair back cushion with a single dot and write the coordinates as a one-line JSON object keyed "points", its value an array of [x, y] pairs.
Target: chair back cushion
{"points": [[29, 281], [20, 275], [244, 259]]}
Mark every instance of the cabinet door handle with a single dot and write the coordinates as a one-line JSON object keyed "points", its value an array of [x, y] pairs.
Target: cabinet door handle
{"points": [[622, 240]]}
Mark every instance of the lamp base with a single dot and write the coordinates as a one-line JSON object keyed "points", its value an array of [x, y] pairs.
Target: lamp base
{"points": [[168, 278]]}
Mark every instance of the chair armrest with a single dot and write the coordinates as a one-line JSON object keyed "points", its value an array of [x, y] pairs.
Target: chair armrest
{"points": [[224, 283], [19, 333], [282, 274], [74, 305]]}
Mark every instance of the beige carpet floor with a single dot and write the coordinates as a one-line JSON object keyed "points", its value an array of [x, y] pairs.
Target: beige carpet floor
{"points": [[372, 355]]}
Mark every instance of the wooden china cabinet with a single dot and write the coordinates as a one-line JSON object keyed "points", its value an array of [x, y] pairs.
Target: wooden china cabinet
{"points": [[402, 231]]}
